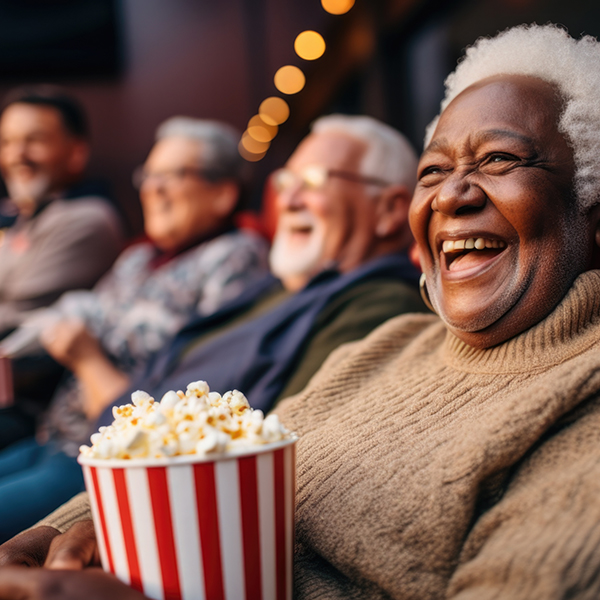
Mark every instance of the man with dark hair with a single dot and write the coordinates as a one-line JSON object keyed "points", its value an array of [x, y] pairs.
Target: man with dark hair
{"points": [[64, 237], [71, 111]]}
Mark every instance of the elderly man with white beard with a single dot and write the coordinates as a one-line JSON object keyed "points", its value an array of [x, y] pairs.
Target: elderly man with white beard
{"points": [[66, 234], [340, 263]]}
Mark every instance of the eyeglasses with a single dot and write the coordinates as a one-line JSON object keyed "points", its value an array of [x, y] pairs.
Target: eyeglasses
{"points": [[166, 178], [314, 177]]}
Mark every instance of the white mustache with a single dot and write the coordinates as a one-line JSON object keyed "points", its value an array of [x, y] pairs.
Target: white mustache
{"points": [[300, 220]]}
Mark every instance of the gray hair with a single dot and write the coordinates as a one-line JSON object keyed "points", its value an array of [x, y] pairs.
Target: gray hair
{"points": [[389, 155], [220, 156], [549, 53]]}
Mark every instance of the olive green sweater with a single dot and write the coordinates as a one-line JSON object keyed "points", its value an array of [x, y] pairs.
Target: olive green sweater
{"points": [[428, 469]]}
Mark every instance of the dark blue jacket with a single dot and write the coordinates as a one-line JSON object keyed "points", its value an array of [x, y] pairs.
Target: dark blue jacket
{"points": [[258, 356]]}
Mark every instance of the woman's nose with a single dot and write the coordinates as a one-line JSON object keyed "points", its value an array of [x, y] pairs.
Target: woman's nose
{"points": [[458, 195]]}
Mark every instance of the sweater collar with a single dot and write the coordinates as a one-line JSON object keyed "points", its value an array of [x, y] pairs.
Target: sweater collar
{"points": [[571, 329]]}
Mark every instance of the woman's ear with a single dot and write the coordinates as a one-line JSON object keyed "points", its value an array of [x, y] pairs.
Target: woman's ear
{"points": [[392, 211]]}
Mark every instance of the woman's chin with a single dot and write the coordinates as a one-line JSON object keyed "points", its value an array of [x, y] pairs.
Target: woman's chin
{"points": [[472, 308], [469, 323], [479, 324]]}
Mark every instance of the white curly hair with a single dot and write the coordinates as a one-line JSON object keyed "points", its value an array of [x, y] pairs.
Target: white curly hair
{"points": [[549, 53]]}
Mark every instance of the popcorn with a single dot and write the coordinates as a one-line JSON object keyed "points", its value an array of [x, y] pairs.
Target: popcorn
{"points": [[198, 422]]}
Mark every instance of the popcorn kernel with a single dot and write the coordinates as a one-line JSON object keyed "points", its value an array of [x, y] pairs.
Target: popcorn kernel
{"points": [[195, 422]]}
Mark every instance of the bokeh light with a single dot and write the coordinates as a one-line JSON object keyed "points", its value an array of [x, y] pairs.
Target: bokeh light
{"points": [[252, 145], [337, 7], [309, 45], [260, 130], [289, 79], [247, 155], [274, 111]]}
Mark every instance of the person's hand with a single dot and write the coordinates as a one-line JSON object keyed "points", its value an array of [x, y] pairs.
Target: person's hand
{"points": [[75, 549], [29, 548], [70, 343], [20, 583]]}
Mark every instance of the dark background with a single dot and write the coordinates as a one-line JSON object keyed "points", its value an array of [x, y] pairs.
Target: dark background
{"points": [[134, 63]]}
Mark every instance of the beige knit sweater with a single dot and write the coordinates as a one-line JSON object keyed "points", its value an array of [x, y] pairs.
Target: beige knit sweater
{"points": [[428, 469]]}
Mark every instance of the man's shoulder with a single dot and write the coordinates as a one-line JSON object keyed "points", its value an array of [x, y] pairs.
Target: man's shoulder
{"points": [[94, 212], [83, 206], [375, 299], [383, 289]]}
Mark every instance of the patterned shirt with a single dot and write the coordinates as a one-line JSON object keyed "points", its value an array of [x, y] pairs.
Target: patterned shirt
{"points": [[135, 309]]}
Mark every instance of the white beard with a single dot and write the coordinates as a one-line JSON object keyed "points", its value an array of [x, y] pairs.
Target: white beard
{"points": [[287, 260], [28, 192]]}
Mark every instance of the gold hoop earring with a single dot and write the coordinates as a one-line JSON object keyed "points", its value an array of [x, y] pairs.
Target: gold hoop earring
{"points": [[425, 293]]}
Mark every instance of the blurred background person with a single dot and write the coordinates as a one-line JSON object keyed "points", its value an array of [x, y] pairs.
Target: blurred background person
{"points": [[340, 260], [345, 191], [65, 235], [193, 262]]}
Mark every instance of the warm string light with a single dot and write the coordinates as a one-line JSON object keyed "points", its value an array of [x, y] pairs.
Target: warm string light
{"points": [[337, 7], [261, 131], [289, 79], [309, 45], [274, 110]]}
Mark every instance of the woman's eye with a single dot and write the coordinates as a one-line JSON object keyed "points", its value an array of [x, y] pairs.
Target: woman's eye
{"points": [[432, 170], [500, 158]]}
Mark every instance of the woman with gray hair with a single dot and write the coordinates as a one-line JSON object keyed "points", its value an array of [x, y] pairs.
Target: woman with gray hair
{"points": [[458, 456]]}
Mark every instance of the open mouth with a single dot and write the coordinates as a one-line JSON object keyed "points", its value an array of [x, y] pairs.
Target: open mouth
{"points": [[468, 253], [301, 230], [300, 227], [299, 233]]}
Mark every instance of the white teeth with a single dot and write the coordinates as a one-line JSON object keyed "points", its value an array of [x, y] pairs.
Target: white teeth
{"points": [[471, 244]]}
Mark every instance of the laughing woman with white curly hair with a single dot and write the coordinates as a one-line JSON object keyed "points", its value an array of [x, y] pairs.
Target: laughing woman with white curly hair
{"points": [[456, 456]]}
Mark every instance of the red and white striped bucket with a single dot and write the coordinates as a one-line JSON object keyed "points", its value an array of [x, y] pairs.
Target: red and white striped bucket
{"points": [[6, 382], [197, 528]]}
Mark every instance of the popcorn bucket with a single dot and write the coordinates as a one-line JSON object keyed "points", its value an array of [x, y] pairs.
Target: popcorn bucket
{"points": [[193, 527], [6, 382]]}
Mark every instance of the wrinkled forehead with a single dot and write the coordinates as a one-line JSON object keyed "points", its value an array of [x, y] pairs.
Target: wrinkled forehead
{"points": [[520, 104]]}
